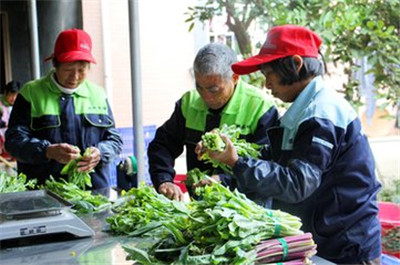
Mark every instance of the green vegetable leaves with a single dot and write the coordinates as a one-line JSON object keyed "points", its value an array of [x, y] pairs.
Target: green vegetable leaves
{"points": [[222, 228], [81, 179], [213, 141], [82, 201], [15, 183]]}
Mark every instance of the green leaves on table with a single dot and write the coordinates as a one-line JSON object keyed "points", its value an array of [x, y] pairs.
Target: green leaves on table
{"points": [[81, 179], [222, 228], [10, 183], [82, 201]]}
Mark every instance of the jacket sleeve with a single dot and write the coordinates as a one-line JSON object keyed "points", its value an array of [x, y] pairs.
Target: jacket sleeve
{"points": [[260, 137], [111, 145], [297, 179], [166, 146], [20, 142]]}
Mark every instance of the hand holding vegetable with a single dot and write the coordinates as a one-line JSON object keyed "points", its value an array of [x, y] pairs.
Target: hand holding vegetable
{"points": [[76, 174], [227, 156], [89, 160], [62, 153], [207, 181], [171, 191]]}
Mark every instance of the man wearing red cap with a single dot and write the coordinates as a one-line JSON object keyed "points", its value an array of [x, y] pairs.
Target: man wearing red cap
{"points": [[61, 111], [319, 165]]}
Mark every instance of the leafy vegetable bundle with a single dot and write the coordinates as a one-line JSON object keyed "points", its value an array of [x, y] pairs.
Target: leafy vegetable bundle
{"points": [[82, 201], [15, 183], [286, 248], [81, 179], [222, 228], [213, 141]]}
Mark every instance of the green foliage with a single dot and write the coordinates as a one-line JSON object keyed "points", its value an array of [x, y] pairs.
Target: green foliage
{"points": [[351, 30], [213, 141], [80, 179], [391, 193], [10, 183], [82, 201], [222, 228]]}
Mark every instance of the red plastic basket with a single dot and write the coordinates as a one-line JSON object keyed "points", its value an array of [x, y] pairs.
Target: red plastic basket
{"points": [[389, 216]]}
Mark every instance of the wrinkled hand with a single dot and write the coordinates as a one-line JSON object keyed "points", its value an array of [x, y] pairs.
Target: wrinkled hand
{"points": [[87, 163], [62, 153], [229, 156], [171, 191], [208, 182]]}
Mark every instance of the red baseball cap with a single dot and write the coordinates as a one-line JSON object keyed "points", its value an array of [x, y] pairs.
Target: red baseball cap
{"points": [[282, 41], [73, 45]]}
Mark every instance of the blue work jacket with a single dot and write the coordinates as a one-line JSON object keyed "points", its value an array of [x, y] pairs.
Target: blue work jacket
{"points": [[320, 168]]}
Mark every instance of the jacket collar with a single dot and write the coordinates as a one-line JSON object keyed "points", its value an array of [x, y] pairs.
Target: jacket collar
{"points": [[290, 118], [82, 91]]}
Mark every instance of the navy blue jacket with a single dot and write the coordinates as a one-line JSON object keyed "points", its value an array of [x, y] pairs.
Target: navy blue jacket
{"points": [[191, 119], [320, 168]]}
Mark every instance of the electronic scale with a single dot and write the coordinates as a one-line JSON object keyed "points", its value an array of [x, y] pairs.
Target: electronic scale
{"points": [[39, 212]]}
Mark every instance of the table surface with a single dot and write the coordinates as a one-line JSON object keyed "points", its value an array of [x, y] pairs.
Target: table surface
{"points": [[101, 249]]}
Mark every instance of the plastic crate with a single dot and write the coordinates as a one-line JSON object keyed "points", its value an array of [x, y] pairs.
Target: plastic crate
{"points": [[389, 216], [179, 180], [388, 260], [128, 149]]}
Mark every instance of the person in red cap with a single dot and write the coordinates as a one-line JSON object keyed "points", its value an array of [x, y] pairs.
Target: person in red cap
{"points": [[61, 111], [319, 165]]}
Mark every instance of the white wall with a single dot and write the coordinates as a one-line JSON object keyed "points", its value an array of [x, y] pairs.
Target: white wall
{"points": [[167, 54]]}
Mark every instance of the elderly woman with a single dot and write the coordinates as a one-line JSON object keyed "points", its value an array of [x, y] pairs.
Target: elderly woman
{"points": [[61, 111]]}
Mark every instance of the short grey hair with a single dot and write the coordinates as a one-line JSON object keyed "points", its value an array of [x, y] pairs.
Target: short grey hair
{"points": [[215, 59]]}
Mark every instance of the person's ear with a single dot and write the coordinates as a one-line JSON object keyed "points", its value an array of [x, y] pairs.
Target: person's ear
{"points": [[298, 61]]}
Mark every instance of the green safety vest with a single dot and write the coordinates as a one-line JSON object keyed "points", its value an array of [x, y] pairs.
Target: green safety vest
{"points": [[244, 109], [43, 95]]}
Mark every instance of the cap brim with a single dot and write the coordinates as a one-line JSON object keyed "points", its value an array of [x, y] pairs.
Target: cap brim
{"points": [[253, 63], [75, 56]]}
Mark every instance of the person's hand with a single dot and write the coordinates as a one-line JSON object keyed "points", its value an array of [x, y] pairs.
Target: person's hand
{"points": [[87, 163], [171, 191], [62, 153], [228, 156], [204, 182]]}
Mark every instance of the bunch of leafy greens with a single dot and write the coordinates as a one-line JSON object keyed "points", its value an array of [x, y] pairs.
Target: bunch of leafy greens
{"points": [[212, 140], [10, 183], [81, 179], [222, 228], [82, 201], [195, 175]]}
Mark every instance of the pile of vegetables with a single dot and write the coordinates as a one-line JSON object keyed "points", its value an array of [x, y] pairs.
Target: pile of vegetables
{"points": [[212, 140], [82, 201], [10, 183], [222, 228], [81, 179]]}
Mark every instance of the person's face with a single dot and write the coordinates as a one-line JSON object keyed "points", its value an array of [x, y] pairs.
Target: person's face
{"points": [[10, 97], [286, 93], [71, 75], [214, 89]]}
